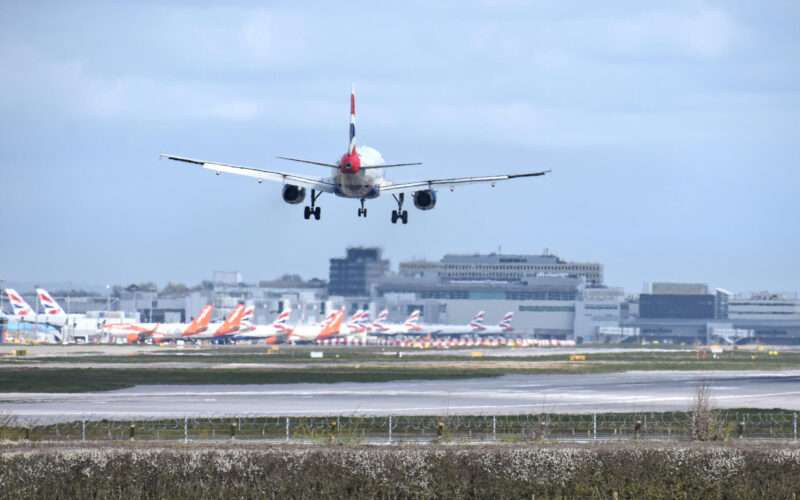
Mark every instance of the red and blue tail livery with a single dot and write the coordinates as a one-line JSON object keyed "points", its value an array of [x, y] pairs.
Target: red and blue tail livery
{"points": [[18, 304]]}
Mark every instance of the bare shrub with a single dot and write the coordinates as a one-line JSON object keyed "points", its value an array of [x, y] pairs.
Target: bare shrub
{"points": [[8, 422], [706, 424]]}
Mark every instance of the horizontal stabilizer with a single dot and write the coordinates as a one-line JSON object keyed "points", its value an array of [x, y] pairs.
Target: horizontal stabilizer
{"points": [[364, 167], [309, 161]]}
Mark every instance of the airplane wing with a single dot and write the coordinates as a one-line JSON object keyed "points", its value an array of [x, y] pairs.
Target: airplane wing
{"points": [[320, 184], [421, 185]]}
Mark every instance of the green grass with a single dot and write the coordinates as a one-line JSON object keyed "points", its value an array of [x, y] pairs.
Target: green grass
{"points": [[377, 367], [102, 379]]}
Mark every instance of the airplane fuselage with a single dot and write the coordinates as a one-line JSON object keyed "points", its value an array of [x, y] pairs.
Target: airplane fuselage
{"points": [[354, 182]]}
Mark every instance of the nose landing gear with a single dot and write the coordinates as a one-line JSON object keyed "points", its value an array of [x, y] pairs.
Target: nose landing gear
{"points": [[362, 210], [399, 213]]}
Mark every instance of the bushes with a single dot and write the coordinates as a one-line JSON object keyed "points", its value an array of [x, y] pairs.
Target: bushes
{"points": [[499, 471]]}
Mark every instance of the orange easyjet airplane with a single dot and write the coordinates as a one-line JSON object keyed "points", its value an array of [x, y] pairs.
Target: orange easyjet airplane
{"points": [[160, 331], [223, 332], [326, 329]]}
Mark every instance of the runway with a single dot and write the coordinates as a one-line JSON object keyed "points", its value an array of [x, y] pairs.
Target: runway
{"points": [[509, 394]]}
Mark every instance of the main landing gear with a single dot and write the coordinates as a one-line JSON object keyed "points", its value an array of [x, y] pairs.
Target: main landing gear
{"points": [[362, 210], [399, 213], [312, 210]]}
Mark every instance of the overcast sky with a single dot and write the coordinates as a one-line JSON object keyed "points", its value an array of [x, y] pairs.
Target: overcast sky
{"points": [[672, 130]]}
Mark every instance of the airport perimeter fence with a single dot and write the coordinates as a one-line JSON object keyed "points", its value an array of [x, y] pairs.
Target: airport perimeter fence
{"points": [[545, 427]]}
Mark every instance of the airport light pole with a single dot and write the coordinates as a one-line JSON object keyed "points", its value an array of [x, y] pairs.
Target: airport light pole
{"points": [[108, 299], [2, 291], [68, 290]]}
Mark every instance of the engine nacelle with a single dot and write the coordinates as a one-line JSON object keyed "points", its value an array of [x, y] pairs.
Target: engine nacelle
{"points": [[425, 200], [293, 194]]}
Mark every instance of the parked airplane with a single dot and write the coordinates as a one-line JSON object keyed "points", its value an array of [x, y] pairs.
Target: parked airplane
{"points": [[28, 330], [382, 328], [57, 316], [42, 323], [224, 332], [271, 334], [473, 327], [501, 328], [327, 329], [160, 331], [357, 174]]}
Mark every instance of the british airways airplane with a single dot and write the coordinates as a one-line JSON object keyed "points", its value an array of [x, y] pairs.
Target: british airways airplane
{"points": [[358, 174]]}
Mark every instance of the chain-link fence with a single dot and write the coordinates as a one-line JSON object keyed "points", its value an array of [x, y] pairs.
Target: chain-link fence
{"points": [[711, 426]]}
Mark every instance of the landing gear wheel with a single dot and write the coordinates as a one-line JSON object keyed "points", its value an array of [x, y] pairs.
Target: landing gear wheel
{"points": [[313, 210], [362, 210], [399, 213]]}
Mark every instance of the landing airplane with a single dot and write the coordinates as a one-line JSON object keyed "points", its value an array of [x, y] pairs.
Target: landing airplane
{"points": [[357, 174]]}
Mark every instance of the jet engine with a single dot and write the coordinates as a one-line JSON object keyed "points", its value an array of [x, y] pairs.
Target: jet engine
{"points": [[293, 194], [425, 200]]}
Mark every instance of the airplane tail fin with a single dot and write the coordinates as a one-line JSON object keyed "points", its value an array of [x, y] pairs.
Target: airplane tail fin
{"points": [[477, 321], [332, 328], [411, 322], [18, 304], [247, 317], [506, 323], [51, 307], [412, 319], [380, 320], [231, 322], [352, 119], [282, 321], [200, 323], [356, 317]]}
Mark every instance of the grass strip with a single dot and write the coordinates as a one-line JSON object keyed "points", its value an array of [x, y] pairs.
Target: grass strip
{"points": [[101, 379]]}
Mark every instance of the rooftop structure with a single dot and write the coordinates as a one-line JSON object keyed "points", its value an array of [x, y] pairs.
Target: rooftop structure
{"points": [[680, 289], [354, 275], [502, 267]]}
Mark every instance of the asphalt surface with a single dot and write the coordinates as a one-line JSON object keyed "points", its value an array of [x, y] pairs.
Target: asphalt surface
{"points": [[510, 394]]}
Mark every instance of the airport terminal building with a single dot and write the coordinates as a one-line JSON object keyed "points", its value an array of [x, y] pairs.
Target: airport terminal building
{"points": [[549, 296], [687, 312], [502, 267]]}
